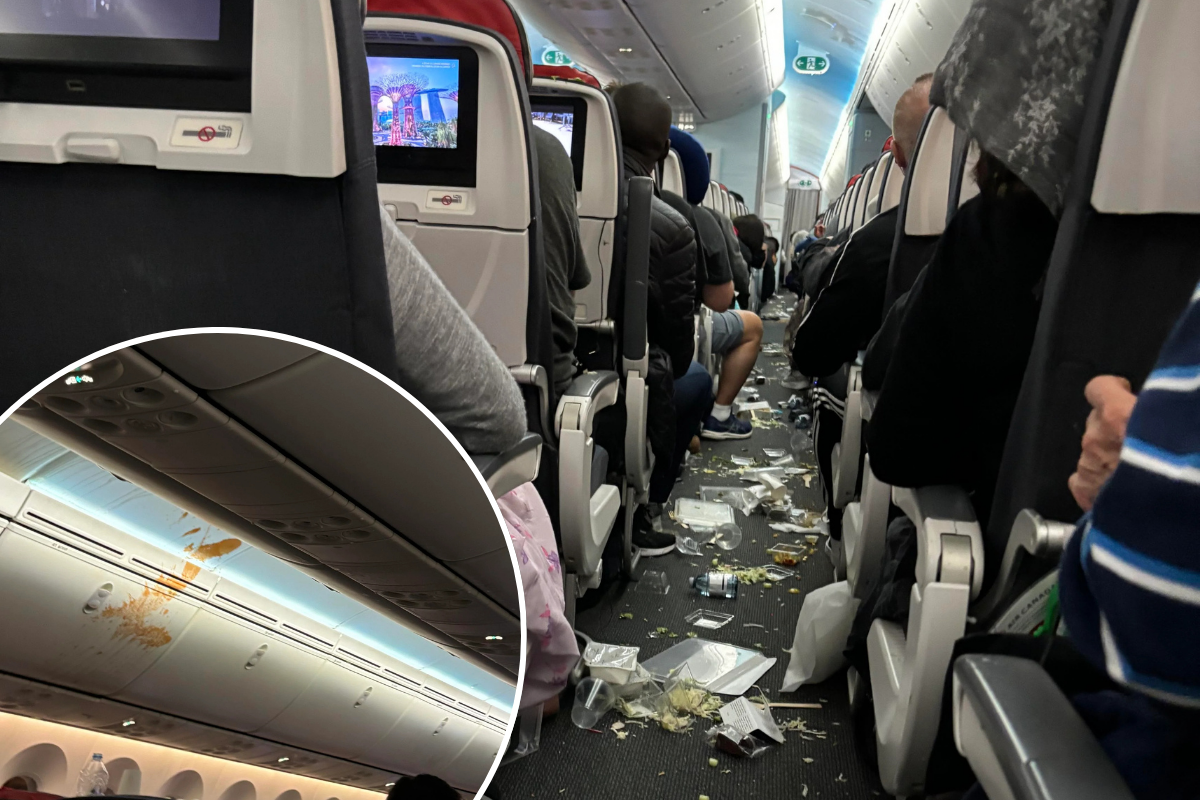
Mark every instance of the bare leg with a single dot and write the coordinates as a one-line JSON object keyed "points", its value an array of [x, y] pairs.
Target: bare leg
{"points": [[738, 362]]}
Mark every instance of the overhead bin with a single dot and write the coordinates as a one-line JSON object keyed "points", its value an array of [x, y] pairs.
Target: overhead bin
{"points": [[182, 646], [345, 425]]}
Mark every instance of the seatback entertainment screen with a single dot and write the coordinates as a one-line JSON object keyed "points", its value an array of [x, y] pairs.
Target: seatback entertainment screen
{"points": [[565, 118], [414, 101], [197, 20], [559, 123]]}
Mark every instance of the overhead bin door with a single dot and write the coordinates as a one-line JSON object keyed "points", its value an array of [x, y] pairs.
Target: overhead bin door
{"points": [[421, 737], [78, 620], [343, 712], [226, 671]]}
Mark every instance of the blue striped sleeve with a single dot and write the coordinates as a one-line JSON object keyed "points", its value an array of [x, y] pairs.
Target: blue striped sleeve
{"points": [[1130, 579]]}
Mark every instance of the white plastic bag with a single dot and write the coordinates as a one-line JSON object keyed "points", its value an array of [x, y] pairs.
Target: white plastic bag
{"points": [[821, 633]]}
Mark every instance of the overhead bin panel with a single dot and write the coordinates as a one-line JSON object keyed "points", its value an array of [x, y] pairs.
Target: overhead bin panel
{"points": [[228, 672], [420, 738], [201, 361], [109, 625], [355, 712], [471, 764]]}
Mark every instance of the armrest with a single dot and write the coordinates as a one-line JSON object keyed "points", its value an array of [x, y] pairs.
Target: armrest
{"points": [[637, 273], [949, 541], [534, 376], [587, 394], [515, 467], [1023, 738], [1033, 536]]}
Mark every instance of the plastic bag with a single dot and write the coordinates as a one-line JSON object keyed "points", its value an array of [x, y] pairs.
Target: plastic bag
{"points": [[821, 632]]}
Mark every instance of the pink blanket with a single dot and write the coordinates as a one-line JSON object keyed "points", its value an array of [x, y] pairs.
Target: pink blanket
{"points": [[552, 650]]}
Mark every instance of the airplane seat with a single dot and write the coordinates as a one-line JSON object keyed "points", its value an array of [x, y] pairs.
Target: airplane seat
{"points": [[167, 199], [882, 166], [481, 197], [923, 203], [1023, 738], [672, 174], [864, 194], [1124, 266], [852, 197]]}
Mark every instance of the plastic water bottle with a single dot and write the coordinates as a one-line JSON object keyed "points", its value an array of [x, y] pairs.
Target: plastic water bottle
{"points": [[93, 778], [716, 584]]}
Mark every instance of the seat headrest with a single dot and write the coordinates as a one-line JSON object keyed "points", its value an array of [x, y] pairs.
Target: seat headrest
{"points": [[929, 176], [493, 15], [887, 146], [566, 74]]}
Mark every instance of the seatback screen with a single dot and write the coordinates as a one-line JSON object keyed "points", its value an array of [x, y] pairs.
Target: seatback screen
{"points": [[565, 118], [414, 102], [138, 19], [173, 54], [424, 111]]}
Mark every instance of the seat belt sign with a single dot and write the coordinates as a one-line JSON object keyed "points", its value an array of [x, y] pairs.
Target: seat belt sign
{"points": [[213, 134]]}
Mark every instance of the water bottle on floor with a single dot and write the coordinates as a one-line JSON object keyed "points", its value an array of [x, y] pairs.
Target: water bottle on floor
{"points": [[716, 584], [93, 778]]}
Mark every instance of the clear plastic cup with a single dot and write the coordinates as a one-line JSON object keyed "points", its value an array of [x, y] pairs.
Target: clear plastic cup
{"points": [[593, 699], [728, 536]]}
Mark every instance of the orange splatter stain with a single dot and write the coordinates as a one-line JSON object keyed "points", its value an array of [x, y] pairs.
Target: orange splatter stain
{"points": [[190, 571], [192, 531], [133, 618], [204, 551]]}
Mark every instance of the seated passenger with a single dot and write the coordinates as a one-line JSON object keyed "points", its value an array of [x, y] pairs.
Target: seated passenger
{"points": [[736, 336], [551, 647], [442, 359], [770, 269], [846, 313], [644, 116], [562, 248], [948, 395], [1129, 581]]}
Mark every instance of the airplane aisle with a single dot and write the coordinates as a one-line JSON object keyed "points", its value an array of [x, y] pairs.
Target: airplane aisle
{"points": [[652, 762]]}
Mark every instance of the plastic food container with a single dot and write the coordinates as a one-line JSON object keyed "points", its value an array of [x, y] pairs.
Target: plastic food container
{"points": [[710, 620], [614, 664]]}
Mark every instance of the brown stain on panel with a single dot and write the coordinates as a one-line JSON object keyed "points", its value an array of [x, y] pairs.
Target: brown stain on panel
{"points": [[204, 551], [191, 532], [133, 618]]}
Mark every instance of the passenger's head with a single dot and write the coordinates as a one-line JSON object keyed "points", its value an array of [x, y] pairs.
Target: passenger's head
{"points": [[910, 112], [1018, 84], [819, 229], [751, 232], [693, 159], [422, 787], [645, 118]]}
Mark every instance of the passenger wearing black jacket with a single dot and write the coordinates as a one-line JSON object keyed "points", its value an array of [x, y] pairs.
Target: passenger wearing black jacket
{"points": [[848, 311], [645, 119]]}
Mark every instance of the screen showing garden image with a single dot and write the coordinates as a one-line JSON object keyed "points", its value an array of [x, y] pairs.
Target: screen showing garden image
{"points": [[414, 102]]}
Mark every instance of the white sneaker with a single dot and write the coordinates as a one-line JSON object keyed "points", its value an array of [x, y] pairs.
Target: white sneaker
{"points": [[795, 381]]}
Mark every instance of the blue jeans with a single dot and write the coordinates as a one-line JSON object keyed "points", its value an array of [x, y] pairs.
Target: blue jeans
{"points": [[693, 403]]}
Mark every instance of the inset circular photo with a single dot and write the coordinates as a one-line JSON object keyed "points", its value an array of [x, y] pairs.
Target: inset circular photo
{"points": [[243, 567]]}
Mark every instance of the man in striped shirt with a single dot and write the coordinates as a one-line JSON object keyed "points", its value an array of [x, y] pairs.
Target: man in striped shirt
{"points": [[1129, 581]]}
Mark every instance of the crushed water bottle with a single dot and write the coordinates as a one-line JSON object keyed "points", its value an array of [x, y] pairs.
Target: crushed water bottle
{"points": [[93, 778], [716, 584]]}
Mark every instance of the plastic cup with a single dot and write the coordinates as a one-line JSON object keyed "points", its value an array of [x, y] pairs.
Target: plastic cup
{"points": [[729, 536], [593, 699]]}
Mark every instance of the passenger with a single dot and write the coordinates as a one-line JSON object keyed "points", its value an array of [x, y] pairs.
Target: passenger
{"points": [[562, 248], [714, 275], [644, 116], [1129, 580], [551, 647], [422, 787], [737, 337], [770, 269], [846, 313], [443, 359], [948, 395]]}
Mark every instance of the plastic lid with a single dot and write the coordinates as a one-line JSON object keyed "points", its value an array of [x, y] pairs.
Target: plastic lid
{"points": [[97, 757], [691, 581]]}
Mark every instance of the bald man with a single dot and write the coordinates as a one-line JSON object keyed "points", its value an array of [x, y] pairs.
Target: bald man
{"points": [[847, 312]]}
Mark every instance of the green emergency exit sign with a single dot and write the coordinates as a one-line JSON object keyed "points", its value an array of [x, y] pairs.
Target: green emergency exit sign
{"points": [[811, 65]]}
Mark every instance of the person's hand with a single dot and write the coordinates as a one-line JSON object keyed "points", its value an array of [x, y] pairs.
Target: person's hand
{"points": [[1112, 404], [819, 231]]}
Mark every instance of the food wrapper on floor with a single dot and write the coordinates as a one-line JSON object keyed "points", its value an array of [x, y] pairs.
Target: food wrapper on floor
{"points": [[614, 664], [821, 632], [729, 739]]}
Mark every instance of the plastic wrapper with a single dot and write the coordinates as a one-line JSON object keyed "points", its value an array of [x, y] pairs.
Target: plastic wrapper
{"points": [[612, 663], [654, 581], [729, 739], [821, 632], [737, 497], [783, 461], [702, 513]]}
